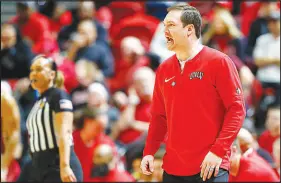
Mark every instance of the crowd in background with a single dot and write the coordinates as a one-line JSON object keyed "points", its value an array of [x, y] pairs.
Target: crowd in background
{"points": [[109, 52]]}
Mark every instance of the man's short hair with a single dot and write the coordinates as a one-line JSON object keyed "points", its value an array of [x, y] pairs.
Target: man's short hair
{"points": [[190, 15]]}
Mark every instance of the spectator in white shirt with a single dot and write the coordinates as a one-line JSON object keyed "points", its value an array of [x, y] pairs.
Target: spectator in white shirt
{"points": [[267, 54]]}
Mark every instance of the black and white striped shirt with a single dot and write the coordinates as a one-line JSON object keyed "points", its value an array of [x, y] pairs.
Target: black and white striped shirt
{"points": [[41, 119]]}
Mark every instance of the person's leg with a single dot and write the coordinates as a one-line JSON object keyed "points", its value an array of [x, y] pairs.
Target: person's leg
{"points": [[52, 174], [28, 173], [171, 178]]}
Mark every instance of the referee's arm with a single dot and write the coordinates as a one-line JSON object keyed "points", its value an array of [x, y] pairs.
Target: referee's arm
{"points": [[63, 108]]}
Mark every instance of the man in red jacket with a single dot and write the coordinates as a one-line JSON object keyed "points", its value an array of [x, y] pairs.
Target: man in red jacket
{"points": [[249, 167], [197, 104]]}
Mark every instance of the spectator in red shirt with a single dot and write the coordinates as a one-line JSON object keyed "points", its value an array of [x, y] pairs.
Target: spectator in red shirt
{"points": [[131, 128], [134, 120], [276, 155], [88, 138], [272, 131], [57, 14], [105, 167], [249, 167], [132, 52], [35, 28], [246, 142], [197, 104]]}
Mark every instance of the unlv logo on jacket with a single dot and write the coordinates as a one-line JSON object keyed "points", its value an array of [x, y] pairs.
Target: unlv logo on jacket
{"points": [[197, 74]]}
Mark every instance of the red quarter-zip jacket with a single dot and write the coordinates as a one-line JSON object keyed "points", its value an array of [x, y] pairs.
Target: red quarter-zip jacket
{"points": [[200, 109]]}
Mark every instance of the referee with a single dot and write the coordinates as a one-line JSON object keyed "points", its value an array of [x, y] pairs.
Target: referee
{"points": [[49, 125]]}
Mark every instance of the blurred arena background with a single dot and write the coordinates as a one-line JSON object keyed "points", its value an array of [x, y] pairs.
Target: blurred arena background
{"points": [[109, 53]]}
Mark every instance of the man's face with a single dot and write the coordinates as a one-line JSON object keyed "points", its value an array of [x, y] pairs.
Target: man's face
{"points": [[87, 31], [175, 33], [8, 37], [273, 121], [85, 10], [274, 26]]}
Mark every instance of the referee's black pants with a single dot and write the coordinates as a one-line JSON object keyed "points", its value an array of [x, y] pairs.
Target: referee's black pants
{"points": [[222, 177], [45, 167]]}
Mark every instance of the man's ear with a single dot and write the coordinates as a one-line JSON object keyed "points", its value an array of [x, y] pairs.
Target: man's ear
{"points": [[189, 30]]}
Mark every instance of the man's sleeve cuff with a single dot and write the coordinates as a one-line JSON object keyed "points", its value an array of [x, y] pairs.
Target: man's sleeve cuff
{"points": [[219, 151]]}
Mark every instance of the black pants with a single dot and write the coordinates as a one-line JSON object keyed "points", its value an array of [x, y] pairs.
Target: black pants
{"points": [[222, 177], [45, 167]]}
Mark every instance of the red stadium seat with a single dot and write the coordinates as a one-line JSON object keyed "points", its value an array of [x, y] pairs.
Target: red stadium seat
{"points": [[140, 26], [121, 10]]}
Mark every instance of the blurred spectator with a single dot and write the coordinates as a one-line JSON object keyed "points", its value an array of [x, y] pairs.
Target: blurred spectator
{"points": [[11, 146], [249, 166], [132, 58], [135, 118], [267, 55], [105, 167], [97, 101], [34, 28], [88, 138], [208, 9], [84, 45], [154, 60], [131, 128], [276, 155], [86, 73], [67, 68], [120, 100], [248, 11], [224, 35], [272, 131], [158, 43], [16, 55], [259, 25], [57, 14], [85, 11], [105, 17], [246, 142]]}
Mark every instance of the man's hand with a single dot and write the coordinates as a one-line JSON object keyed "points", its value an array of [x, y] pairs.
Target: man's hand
{"points": [[67, 174], [210, 163], [147, 166]]}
